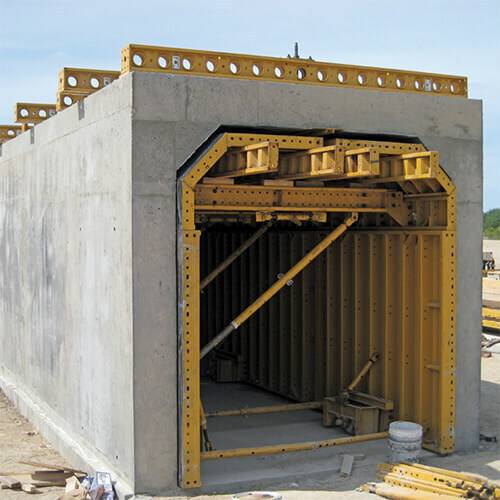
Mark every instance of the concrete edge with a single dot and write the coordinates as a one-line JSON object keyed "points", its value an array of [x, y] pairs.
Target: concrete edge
{"points": [[52, 428]]}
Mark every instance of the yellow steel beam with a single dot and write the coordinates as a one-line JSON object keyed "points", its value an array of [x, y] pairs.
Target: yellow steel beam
{"points": [[227, 65], [27, 112], [191, 411], [77, 83], [210, 198], [279, 284], [8, 132], [383, 147], [290, 448], [259, 410], [85, 80], [407, 167], [366, 368], [234, 255], [260, 158]]}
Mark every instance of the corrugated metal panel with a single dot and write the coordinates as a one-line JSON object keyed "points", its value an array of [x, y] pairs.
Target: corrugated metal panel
{"points": [[370, 291]]}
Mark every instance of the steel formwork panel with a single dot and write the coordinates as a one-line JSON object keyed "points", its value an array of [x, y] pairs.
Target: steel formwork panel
{"points": [[290, 70], [384, 286]]}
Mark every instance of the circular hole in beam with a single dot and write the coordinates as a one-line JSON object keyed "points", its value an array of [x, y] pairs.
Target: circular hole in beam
{"points": [[94, 83], [234, 68], [24, 113], [256, 69], [67, 100], [278, 72], [72, 81], [380, 81], [341, 77], [186, 64], [210, 66], [137, 60], [42, 113], [362, 79], [400, 83], [321, 76], [301, 73], [162, 62]]}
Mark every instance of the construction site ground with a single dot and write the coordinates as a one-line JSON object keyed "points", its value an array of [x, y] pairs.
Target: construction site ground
{"points": [[20, 441]]}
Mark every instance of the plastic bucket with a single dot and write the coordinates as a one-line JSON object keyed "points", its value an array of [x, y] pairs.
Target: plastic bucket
{"points": [[405, 441]]}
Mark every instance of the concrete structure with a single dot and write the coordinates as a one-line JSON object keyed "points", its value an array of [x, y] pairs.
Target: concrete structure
{"points": [[88, 288]]}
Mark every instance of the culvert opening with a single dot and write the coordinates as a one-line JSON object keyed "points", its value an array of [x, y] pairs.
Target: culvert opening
{"points": [[316, 293]]}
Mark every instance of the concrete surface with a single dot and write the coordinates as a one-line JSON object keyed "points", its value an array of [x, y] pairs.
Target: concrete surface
{"points": [[89, 316], [66, 279]]}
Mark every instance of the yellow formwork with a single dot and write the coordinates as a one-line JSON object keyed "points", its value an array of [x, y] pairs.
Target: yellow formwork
{"points": [[388, 285], [290, 70]]}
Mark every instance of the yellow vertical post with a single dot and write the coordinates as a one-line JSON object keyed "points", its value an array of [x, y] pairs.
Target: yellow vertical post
{"points": [[190, 474]]}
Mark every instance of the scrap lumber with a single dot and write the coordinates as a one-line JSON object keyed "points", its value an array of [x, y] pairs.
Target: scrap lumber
{"points": [[9, 483], [346, 467], [29, 488], [55, 467]]}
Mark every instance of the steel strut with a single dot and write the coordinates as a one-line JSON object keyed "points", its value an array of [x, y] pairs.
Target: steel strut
{"points": [[227, 262], [278, 285]]}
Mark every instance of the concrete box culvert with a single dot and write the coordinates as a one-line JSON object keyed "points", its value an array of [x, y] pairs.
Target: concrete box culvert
{"points": [[114, 292]]}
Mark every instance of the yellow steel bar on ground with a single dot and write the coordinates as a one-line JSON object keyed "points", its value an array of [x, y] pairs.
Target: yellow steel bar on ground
{"points": [[491, 313], [290, 448], [402, 493], [226, 263], [243, 66], [312, 405], [278, 285]]}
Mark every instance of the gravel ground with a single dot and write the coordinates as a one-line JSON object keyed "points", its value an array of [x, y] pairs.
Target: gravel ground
{"points": [[20, 441]]}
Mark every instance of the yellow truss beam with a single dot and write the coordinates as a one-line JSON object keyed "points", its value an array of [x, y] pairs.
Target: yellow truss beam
{"points": [[8, 132], [277, 69], [27, 112], [249, 198], [260, 158], [77, 83]]}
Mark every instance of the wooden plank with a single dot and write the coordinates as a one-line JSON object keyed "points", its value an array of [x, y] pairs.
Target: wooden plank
{"points": [[9, 483], [61, 468]]}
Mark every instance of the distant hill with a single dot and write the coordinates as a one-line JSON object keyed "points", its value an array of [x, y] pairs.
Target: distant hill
{"points": [[491, 224]]}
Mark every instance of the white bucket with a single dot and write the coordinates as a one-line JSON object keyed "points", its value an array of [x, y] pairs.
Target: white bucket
{"points": [[405, 441]]}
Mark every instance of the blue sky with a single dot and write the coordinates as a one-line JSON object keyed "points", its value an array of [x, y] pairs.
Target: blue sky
{"points": [[38, 37]]}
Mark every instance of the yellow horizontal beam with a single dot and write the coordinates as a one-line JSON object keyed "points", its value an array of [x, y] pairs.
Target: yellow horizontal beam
{"points": [[77, 83], [27, 112], [8, 132], [65, 99], [290, 448], [245, 197], [277, 69], [85, 80], [260, 410], [383, 147]]}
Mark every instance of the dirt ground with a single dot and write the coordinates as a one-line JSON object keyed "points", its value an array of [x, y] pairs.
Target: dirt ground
{"points": [[20, 441]]}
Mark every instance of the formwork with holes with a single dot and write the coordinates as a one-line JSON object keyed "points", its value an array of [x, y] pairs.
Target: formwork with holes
{"points": [[384, 284], [206, 257]]}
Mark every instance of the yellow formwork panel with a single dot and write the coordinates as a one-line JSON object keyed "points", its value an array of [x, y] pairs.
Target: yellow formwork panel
{"points": [[372, 291], [385, 286], [290, 70]]}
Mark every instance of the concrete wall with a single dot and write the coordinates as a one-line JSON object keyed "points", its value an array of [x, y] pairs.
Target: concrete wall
{"points": [[88, 250], [172, 116], [65, 279]]}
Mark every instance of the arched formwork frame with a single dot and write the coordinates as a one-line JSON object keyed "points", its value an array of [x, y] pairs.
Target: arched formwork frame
{"points": [[404, 200]]}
